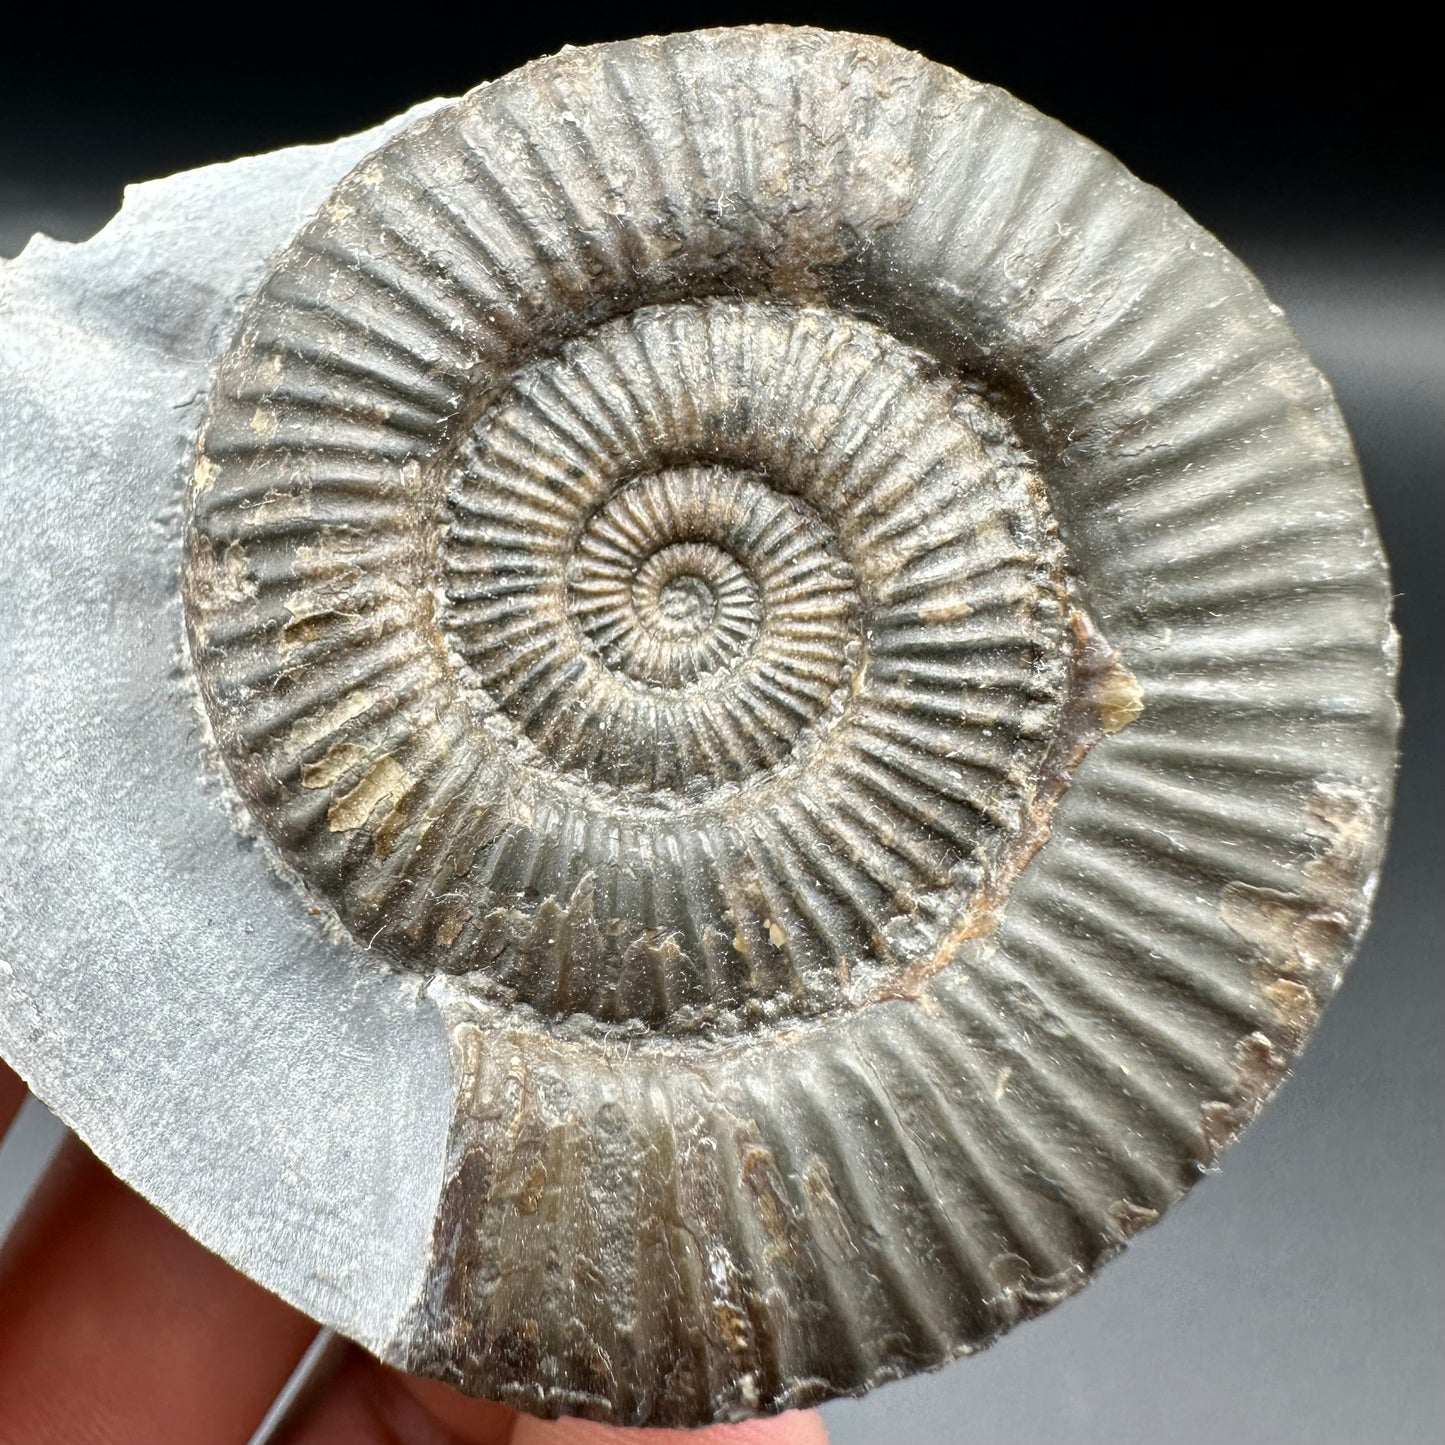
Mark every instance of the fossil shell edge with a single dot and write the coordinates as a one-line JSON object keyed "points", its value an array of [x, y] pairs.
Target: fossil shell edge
{"points": [[841, 636]]}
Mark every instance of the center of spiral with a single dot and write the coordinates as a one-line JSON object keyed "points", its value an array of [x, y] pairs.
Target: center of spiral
{"points": [[694, 608], [687, 605], [674, 630]]}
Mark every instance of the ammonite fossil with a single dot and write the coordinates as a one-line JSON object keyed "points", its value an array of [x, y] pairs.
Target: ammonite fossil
{"points": [[785, 723]]}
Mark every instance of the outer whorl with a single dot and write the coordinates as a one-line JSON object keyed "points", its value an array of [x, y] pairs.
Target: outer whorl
{"points": [[841, 636]]}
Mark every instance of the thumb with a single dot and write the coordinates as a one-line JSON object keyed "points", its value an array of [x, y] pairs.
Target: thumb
{"points": [[799, 1427]]}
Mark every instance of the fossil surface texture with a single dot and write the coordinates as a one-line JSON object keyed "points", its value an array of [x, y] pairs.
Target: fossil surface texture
{"points": [[678, 736]]}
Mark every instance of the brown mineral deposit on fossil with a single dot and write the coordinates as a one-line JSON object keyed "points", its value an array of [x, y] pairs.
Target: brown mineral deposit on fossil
{"points": [[723, 568]]}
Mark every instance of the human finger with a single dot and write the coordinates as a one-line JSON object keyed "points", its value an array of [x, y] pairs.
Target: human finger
{"points": [[798, 1427], [366, 1403], [116, 1328]]}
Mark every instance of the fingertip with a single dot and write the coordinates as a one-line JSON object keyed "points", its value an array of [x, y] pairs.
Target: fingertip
{"points": [[468, 1419], [116, 1326], [366, 1403], [797, 1427]]}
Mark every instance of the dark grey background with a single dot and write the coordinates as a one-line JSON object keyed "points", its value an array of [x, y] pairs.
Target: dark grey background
{"points": [[1299, 1295]]}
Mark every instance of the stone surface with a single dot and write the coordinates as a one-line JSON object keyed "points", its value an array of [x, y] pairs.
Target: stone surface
{"points": [[157, 988]]}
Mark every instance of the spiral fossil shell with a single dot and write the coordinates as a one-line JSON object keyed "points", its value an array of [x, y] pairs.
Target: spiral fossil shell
{"points": [[836, 637], [724, 696]]}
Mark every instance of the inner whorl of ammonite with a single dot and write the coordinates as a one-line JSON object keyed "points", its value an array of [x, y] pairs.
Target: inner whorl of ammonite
{"points": [[689, 632], [729, 693], [667, 607], [592, 606]]}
